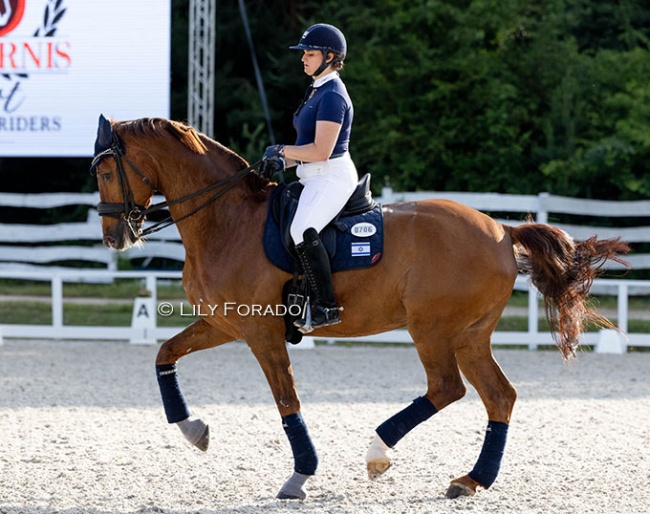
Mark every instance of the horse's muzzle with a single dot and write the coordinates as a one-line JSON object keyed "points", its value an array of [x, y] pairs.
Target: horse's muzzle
{"points": [[109, 242], [122, 236]]}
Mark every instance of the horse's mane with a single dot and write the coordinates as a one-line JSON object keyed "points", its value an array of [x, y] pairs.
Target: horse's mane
{"points": [[192, 140]]}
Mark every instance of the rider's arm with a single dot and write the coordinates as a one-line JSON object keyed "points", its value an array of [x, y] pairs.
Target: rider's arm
{"points": [[327, 132]]}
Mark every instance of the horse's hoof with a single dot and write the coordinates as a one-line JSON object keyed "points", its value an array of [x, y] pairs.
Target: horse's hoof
{"points": [[292, 489], [458, 490], [377, 458], [204, 441], [196, 432], [376, 468], [463, 486], [295, 496]]}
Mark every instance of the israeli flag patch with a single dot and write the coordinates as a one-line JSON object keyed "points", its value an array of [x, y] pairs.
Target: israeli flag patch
{"points": [[360, 249]]}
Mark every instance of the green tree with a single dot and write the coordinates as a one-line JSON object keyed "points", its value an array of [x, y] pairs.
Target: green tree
{"points": [[515, 96]]}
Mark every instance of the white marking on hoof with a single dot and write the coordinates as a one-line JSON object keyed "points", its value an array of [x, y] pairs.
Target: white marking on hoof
{"points": [[377, 458], [292, 489], [196, 432]]}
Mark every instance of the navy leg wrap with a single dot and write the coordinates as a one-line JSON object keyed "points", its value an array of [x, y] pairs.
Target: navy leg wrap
{"points": [[489, 461], [393, 429], [304, 452], [176, 408]]}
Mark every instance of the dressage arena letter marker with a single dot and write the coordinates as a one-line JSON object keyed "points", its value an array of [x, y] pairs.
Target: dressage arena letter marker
{"points": [[143, 321]]}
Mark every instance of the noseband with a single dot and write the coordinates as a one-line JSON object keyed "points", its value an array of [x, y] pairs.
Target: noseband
{"points": [[134, 213]]}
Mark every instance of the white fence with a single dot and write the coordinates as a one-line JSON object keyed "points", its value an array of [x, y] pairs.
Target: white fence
{"points": [[58, 330], [28, 247], [547, 208], [25, 249]]}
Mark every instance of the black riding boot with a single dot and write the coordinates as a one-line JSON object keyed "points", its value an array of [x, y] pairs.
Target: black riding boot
{"points": [[316, 266]]}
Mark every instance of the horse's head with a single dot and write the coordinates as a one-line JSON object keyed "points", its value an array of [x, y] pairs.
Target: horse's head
{"points": [[134, 159], [124, 191]]}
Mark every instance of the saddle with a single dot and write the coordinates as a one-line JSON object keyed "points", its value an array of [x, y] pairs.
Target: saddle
{"points": [[353, 239]]}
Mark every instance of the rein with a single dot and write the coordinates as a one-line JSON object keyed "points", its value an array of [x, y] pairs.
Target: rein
{"points": [[134, 213]]}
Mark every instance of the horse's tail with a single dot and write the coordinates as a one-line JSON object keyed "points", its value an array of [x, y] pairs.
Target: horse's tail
{"points": [[563, 272]]}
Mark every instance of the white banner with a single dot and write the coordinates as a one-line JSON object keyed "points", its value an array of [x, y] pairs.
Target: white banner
{"points": [[65, 62]]}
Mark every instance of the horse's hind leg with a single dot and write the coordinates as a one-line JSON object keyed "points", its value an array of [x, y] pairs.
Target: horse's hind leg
{"points": [[198, 336], [444, 386], [498, 395]]}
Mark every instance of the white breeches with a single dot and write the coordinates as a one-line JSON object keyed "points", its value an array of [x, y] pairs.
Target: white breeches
{"points": [[327, 188]]}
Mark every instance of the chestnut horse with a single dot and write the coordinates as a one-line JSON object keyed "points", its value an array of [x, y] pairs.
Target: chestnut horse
{"points": [[446, 274]]}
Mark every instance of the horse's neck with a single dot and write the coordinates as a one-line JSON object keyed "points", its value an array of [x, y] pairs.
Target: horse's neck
{"points": [[213, 218]]}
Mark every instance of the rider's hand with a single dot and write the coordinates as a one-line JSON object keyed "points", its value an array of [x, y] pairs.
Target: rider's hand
{"points": [[273, 161]]}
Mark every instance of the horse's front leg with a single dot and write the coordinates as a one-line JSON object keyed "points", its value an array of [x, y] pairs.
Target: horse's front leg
{"points": [[274, 360], [198, 336]]}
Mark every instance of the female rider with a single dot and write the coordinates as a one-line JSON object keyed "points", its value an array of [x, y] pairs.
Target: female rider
{"points": [[323, 123]]}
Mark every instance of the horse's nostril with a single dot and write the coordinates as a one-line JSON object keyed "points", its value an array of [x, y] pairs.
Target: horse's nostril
{"points": [[109, 241]]}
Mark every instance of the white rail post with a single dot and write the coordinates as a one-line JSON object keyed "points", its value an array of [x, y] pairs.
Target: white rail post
{"points": [[152, 286], [533, 322], [622, 305], [57, 303], [542, 212], [112, 265], [387, 195]]}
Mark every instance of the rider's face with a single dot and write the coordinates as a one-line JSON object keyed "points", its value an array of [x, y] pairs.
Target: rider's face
{"points": [[311, 60]]}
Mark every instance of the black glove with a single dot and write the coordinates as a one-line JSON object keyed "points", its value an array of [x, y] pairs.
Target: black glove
{"points": [[273, 161]]}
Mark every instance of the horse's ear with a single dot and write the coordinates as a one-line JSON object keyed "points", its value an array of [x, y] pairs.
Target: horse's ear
{"points": [[104, 135]]}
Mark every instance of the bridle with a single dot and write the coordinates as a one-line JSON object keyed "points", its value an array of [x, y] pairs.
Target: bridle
{"points": [[134, 213]]}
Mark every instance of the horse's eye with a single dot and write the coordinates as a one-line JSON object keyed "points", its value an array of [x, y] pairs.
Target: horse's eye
{"points": [[106, 177]]}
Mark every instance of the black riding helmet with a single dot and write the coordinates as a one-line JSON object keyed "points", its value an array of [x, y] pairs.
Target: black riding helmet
{"points": [[326, 38]]}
